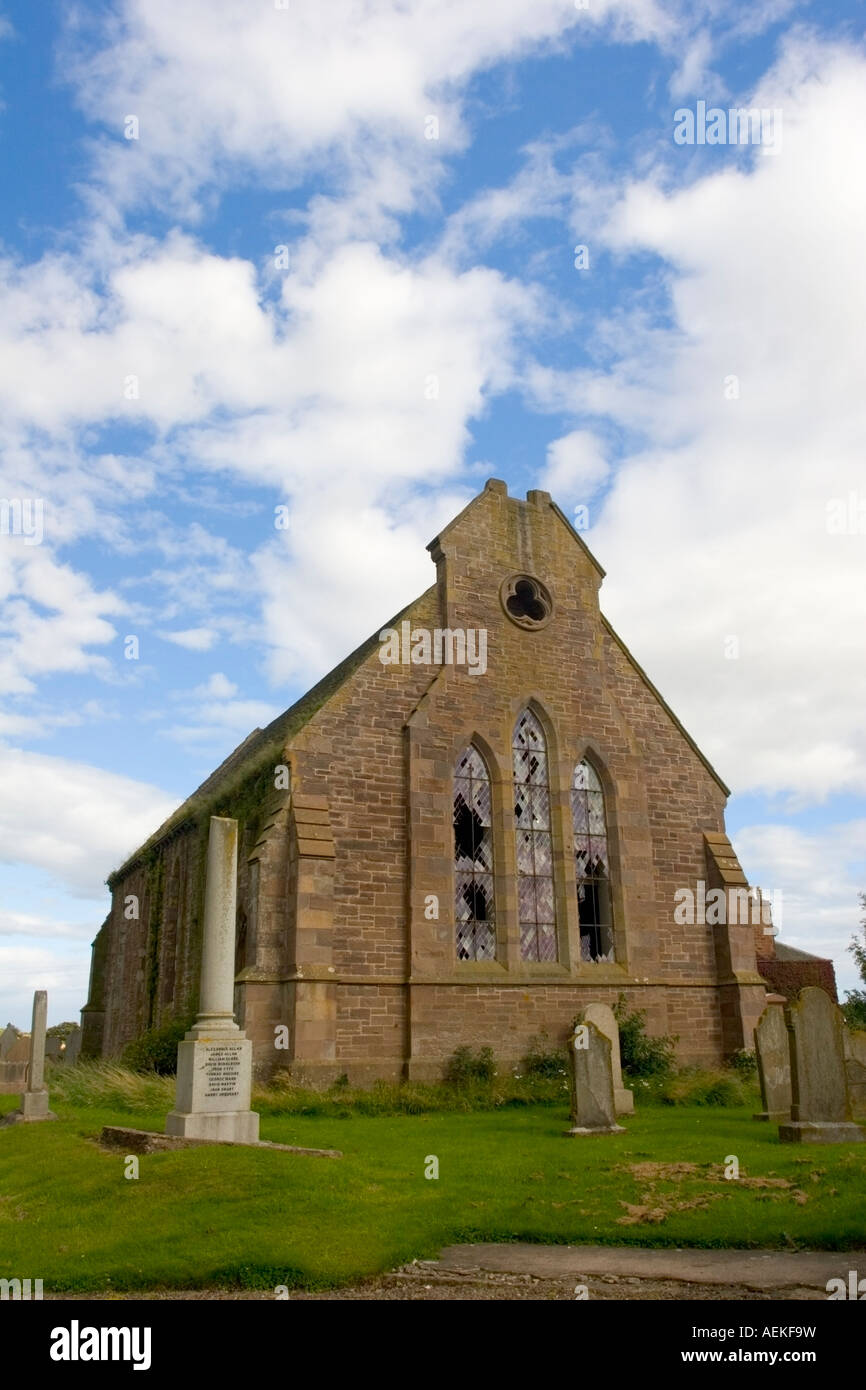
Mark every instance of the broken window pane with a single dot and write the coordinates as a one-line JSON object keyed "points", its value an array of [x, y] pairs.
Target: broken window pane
{"points": [[473, 859], [592, 864]]}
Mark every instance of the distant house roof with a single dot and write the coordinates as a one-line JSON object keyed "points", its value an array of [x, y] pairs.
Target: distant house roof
{"points": [[784, 952]]}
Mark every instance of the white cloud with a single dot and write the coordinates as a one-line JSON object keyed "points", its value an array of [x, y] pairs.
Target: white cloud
{"points": [[218, 685], [267, 90], [352, 389], [194, 639], [576, 466], [819, 874], [72, 819], [13, 923], [25, 968], [753, 406], [50, 616]]}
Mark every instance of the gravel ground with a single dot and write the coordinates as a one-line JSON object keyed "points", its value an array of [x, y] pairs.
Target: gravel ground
{"points": [[422, 1282]]}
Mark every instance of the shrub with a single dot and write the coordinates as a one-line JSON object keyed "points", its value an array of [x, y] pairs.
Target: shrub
{"points": [[642, 1055], [537, 1062], [744, 1063], [156, 1050], [467, 1068], [854, 1009]]}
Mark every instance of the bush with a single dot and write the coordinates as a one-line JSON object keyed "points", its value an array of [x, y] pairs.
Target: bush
{"points": [[156, 1050], [744, 1063], [537, 1062], [467, 1068], [640, 1054], [854, 1009]]}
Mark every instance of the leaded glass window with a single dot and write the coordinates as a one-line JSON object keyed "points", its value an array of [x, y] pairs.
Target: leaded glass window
{"points": [[534, 845], [592, 864], [473, 859]]}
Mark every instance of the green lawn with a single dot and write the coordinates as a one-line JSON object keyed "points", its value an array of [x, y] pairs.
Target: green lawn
{"points": [[251, 1217]]}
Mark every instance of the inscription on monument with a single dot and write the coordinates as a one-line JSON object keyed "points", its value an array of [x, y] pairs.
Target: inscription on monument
{"points": [[222, 1070]]}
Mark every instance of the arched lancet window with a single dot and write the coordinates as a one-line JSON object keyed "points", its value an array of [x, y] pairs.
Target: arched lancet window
{"points": [[534, 846], [592, 864], [473, 859]]}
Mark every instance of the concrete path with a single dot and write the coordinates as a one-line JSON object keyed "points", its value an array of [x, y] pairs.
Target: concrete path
{"points": [[764, 1271]]}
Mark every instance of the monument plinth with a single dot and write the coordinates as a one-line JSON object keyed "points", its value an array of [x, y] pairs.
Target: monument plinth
{"points": [[214, 1061]]}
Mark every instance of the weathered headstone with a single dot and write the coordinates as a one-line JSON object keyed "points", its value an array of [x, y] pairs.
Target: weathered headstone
{"points": [[53, 1047], [774, 1064], [34, 1101], [854, 1046], [592, 1104], [214, 1061], [73, 1048], [820, 1105], [8, 1038], [20, 1049], [604, 1018]]}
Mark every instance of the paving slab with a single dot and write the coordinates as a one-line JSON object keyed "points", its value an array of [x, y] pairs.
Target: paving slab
{"points": [[753, 1269]]}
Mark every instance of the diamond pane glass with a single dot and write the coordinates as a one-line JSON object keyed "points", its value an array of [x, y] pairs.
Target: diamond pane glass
{"points": [[534, 844], [596, 813], [526, 899], [473, 859], [544, 900], [525, 861], [592, 864], [543, 852], [547, 942]]}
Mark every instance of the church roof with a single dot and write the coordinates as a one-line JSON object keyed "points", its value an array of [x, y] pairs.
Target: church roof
{"points": [[784, 952]]}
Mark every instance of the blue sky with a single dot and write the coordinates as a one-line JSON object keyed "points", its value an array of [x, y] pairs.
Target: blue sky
{"points": [[166, 384]]}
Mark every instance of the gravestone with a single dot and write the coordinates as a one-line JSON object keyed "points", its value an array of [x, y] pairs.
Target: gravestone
{"points": [[602, 1015], [73, 1048], [53, 1049], [820, 1105], [774, 1064], [8, 1038], [34, 1100], [854, 1046], [214, 1061], [593, 1110], [20, 1049]]}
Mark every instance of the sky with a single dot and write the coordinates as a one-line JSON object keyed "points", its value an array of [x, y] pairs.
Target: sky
{"points": [[335, 264]]}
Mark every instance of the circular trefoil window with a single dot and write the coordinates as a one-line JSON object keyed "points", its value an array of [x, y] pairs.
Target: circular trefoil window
{"points": [[526, 601]]}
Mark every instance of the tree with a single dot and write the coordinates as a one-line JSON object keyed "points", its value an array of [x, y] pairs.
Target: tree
{"points": [[854, 1008], [60, 1030]]}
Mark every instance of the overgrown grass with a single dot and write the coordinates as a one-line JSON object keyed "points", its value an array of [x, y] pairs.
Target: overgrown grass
{"points": [[544, 1082], [722, 1086], [107, 1084]]}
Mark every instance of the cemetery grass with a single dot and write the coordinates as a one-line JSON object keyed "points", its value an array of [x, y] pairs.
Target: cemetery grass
{"points": [[245, 1218]]}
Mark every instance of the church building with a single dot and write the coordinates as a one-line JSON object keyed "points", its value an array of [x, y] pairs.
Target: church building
{"points": [[481, 821]]}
